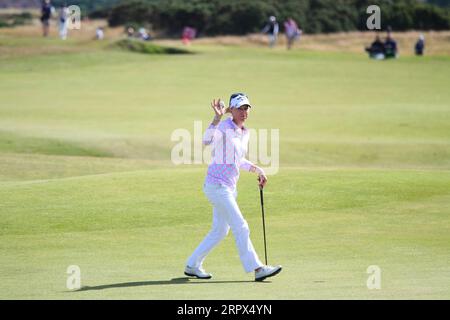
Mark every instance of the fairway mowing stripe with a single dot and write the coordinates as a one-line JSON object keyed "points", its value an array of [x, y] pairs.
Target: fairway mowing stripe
{"points": [[88, 176], [365, 168]]}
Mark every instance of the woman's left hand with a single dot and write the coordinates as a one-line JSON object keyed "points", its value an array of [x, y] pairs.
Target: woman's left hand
{"points": [[262, 180]]}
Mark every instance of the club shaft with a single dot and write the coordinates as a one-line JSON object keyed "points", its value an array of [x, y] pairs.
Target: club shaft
{"points": [[264, 223]]}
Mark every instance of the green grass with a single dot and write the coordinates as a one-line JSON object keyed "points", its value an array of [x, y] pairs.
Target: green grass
{"points": [[86, 177]]}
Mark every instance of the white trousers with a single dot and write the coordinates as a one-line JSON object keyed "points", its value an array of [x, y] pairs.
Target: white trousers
{"points": [[272, 40], [226, 214], [63, 30]]}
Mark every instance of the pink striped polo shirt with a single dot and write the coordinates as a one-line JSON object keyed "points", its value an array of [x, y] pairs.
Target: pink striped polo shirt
{"points": [[230, 145]]}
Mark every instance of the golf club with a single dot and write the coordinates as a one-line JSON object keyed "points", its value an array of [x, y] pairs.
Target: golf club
{"points": [[263, 220]]}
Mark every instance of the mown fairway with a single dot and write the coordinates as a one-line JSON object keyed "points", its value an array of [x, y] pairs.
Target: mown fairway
{"points": [[86, 177]]}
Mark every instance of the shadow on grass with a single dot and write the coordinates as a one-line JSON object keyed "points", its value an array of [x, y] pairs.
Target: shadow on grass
{"points": [[182, 280]]}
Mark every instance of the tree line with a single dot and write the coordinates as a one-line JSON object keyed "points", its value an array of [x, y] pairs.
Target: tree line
{"points": [[216, 17]]}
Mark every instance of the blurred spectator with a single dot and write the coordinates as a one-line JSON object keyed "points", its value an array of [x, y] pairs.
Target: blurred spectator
{"points": [[63, 23], [99, 34], [143, 34], [376, 49], [130, 32], [188, 35], [271, 28], [292, 32], [390, 47], [420, 45], [46, 14]]}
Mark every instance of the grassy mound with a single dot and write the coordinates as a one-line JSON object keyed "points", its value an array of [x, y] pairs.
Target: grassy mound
{"points": [[10, 142], [147, 47]]}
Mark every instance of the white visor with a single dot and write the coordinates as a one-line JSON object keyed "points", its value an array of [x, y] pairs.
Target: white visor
{"points": [[239, 101]]}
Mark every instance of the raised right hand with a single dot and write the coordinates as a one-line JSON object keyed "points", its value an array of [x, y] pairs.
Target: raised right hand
{"points": [[218, 109]]}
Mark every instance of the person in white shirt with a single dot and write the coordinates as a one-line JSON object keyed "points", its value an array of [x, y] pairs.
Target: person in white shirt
{"points": [[99, 34], [63, 22]]}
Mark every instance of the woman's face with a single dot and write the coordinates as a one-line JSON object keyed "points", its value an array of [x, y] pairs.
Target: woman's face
{"points": [[240, 114]]}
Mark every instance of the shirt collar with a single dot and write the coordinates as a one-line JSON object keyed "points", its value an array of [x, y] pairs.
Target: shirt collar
{"points": [[235, 127]]}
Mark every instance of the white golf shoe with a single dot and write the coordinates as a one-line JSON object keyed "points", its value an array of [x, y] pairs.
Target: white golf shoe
{"points": [[197, 272], [266, 272]]}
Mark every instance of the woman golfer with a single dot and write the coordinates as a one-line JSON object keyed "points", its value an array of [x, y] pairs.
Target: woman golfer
{"points": [[230, 140]]}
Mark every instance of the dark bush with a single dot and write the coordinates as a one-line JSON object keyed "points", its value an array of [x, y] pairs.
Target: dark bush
{"points": [[87, 6], [15, 19], [139, 46]]}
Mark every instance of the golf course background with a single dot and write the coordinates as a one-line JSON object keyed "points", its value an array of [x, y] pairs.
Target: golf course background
{"points": [[86, 177]]}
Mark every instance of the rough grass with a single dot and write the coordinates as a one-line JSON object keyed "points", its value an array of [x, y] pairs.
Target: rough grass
{"points": [[437, 43]]}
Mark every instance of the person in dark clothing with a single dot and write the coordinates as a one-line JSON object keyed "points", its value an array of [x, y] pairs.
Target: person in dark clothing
{"points": [[376, 49], [46, 13], [390, 47], [272, 28], [420, 45]]}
